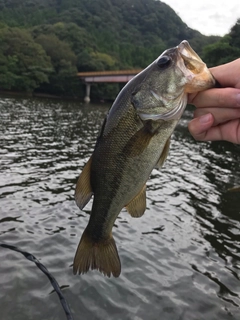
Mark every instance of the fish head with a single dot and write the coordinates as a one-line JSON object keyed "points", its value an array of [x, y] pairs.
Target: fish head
{"points": [[161, 93]]}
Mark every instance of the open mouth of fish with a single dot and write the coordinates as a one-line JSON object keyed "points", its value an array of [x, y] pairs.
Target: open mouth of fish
{"points": [[188, 55]]}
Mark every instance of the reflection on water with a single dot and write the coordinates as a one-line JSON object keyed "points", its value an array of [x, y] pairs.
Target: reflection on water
{"points": [[181, 260]]}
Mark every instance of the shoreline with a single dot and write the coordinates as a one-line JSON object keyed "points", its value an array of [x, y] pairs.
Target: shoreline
{"points": [[37, 95], [50, 96]]}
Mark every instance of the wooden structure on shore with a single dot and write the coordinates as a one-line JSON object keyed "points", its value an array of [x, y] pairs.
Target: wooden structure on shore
{"points": [[105, 76]]}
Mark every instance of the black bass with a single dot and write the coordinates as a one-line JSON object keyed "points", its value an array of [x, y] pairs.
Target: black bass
{"points": [[134, 139]]}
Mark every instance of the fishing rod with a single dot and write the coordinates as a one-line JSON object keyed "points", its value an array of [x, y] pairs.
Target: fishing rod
{"points": [[53, 281]]}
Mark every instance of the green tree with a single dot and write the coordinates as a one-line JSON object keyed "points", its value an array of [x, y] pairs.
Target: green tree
{"points": [[220, 52], [235, 35], [24, 64], [88, 35], [63, 61]]}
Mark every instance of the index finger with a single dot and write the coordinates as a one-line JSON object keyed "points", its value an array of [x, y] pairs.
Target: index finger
{"points": [[228, 75], [217, 97]]}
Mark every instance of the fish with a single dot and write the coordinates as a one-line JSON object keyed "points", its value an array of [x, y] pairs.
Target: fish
{"points": [[134, 139]]}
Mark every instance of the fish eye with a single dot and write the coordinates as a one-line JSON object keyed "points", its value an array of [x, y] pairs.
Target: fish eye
{"points": [[164, 62]]}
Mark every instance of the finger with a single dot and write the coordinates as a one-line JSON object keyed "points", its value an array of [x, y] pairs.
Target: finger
{"points": [[229, 131], [222, 98], [220, 115], [231, 73], [198, 127]]}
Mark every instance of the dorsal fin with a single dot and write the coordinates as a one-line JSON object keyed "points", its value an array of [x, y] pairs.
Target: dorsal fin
{"points": [[83, 191], [137, 206]]}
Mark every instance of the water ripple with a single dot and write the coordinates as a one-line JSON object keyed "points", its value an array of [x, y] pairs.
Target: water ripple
{"points": [[179, 261]]}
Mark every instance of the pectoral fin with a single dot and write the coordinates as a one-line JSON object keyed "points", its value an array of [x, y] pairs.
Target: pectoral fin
{"points": [[83, 191], [164, 154], [139, 141], [137, 205]]}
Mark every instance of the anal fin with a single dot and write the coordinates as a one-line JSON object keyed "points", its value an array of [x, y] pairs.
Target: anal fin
{"points": [[83, 191], [137, 206]]}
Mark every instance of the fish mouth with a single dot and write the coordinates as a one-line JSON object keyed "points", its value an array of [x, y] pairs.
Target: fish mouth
{"points": [[191, 59], [196, 72], [186, 51]]}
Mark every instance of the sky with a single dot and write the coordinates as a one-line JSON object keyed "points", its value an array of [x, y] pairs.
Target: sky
{"points": [[210, 17]]}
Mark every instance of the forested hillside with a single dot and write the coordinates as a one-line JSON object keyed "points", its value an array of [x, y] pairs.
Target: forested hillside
{"points": [[224, 50], [43, 43]]}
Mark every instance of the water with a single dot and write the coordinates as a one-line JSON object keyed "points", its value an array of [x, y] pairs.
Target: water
{"points": [[181, 260]]}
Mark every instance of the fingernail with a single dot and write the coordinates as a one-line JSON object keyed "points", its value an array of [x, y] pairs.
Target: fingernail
{"points": [[205, 118]]}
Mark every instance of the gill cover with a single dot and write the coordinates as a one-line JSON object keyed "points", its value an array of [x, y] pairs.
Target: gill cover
{"points": [[160, 96]]}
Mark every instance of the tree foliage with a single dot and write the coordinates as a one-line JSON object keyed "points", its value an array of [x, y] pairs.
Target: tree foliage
{"points": [[63, 62], [24, 64], [225, 50], [43, 43]]}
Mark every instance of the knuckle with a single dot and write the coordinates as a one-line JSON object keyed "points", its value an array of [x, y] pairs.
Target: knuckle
{"points": [[221, 98]]}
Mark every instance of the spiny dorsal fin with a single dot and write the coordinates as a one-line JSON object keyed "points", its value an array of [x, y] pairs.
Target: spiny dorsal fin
{"points": [[83, 191], [137, 205], [164, 154], [101, 255]]}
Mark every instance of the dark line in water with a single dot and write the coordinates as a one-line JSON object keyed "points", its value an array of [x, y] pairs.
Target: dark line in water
{"points": [[53, 281]]}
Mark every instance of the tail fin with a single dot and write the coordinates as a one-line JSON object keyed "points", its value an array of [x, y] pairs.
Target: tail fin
{"points": [[101, 255]]}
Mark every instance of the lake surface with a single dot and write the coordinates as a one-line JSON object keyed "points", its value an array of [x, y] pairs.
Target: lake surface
{"points": [[180, 260]]}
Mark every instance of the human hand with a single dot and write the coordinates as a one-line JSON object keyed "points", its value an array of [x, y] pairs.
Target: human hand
{"points": [[217, 116]]}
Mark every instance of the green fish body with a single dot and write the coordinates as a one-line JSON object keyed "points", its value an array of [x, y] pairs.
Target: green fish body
{"points": [[134, 139]]}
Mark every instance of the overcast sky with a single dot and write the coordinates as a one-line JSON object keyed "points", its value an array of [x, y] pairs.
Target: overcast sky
{"points": [[210, 17]]}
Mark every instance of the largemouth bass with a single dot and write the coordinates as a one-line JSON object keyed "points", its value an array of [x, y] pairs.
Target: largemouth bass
{"points": [[134, 139]]}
